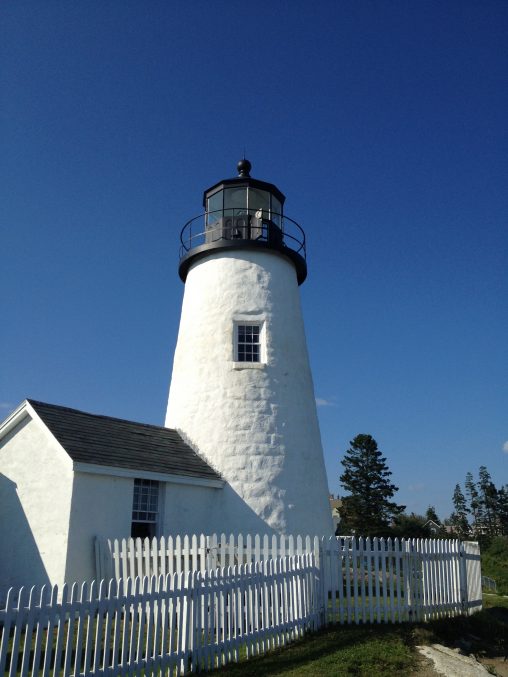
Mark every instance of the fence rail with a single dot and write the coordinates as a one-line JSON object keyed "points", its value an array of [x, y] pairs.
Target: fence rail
{"points": [[193, 603]]}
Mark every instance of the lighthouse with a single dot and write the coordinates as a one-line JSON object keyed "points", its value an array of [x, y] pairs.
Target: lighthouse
{"points": [[241, 389]]}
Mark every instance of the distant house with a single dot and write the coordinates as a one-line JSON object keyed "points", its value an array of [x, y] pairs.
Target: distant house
{"points": [[67, 476], [335, 505], [433, 527]]}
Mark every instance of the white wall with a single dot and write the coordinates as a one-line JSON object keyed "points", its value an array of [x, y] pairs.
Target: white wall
{"points": [[257, 426], [35, 498], [187, 509], [101, 506]]}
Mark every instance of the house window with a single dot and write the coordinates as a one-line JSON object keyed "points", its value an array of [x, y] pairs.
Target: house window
{"points": [[145, 508], [248, 343]]}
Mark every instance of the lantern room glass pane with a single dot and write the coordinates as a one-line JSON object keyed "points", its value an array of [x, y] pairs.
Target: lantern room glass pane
{"points": [[259, 200], [214, 208], [276, 210], [235, 198]]}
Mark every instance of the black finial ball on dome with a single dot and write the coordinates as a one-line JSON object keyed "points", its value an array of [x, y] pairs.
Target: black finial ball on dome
{"points": [[244, 167]]}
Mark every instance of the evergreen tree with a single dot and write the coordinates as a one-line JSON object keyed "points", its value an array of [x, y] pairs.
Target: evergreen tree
{"points": [[488, 499], [458, 517], [431, 514], [368, 510], [411, 526], [475, 507], [502, 510]]}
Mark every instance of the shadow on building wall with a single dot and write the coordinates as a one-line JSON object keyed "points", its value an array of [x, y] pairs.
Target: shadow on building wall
{"points": [[20, 561]]}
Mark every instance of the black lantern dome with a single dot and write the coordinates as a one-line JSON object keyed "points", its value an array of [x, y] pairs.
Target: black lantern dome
{"points": [[243, 213]]}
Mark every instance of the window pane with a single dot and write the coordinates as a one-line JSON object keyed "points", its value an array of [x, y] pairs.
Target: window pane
{"points": [[215, 201], [259, 199], [276, 210], [248, 347], [235, 198], [214, 209], [145, 503]]}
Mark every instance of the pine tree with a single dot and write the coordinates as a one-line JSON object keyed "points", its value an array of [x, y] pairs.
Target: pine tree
{"points": [[368, 509], [475, 507], [459, 516], [502, 510], [431, 514], [488, 499]]}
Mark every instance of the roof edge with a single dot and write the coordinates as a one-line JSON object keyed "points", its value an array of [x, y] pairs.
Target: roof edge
{"points": [[97, 469], [34, 404], [14, 418]]}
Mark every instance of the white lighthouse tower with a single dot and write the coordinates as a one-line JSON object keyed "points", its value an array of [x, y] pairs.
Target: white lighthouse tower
{"points": [[241, 390]]}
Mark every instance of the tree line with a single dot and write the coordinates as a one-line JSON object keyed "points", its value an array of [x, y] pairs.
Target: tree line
{"points": [[369, 508], [481, 510]]}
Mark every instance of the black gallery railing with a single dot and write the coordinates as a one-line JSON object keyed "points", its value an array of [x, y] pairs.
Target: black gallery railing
{"points": [[243, 224]]}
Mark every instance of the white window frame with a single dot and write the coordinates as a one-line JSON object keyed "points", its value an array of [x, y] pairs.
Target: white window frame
{"points": [[250, 322], [154, 487]]}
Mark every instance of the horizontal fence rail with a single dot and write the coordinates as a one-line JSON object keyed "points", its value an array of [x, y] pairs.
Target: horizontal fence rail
{"points": [[175, 623]]}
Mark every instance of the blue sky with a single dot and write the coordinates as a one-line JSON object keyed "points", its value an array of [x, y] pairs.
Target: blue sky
{"points": [[384, 123]]}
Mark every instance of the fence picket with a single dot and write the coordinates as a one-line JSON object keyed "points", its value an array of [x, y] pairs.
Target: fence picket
{"points": [[367, 588], [398, 570], [17, 632], [361, 574]]}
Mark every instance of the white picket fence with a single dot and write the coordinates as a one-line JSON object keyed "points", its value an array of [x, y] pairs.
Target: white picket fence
{"points": [[361, 579], [176, 623], [194, 603], [132, 557], [390, 580]]}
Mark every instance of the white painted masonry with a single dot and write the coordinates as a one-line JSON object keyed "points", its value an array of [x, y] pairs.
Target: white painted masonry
{"points": [[257, 426], [35, 500], [101, 505], [185, 505]]}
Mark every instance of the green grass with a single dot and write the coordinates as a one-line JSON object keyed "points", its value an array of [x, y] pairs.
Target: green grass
{"points": [[381, 650], [495, 563]]}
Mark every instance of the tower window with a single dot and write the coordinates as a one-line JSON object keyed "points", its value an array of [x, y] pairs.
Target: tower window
{"points": [[248, 344], [145, 508]]}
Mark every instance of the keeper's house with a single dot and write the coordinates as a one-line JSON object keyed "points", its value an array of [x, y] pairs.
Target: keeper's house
{"points": [[67, 476]]}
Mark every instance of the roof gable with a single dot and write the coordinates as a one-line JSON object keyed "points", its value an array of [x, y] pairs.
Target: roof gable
{"points": [[115, 442]]}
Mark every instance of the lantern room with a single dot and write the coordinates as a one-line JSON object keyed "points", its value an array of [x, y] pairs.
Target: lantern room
{"points": [[246, 213]]}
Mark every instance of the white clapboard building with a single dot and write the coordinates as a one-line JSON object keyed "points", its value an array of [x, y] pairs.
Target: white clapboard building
{"points": [[241, 448]]}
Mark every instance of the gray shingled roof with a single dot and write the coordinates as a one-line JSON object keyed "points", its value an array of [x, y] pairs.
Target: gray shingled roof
{"points": [[103, 440]]}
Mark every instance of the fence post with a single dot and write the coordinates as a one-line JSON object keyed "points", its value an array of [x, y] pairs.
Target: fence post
{"points": [[321, 555], [463, 578], [407, 579], [102, 559]]}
